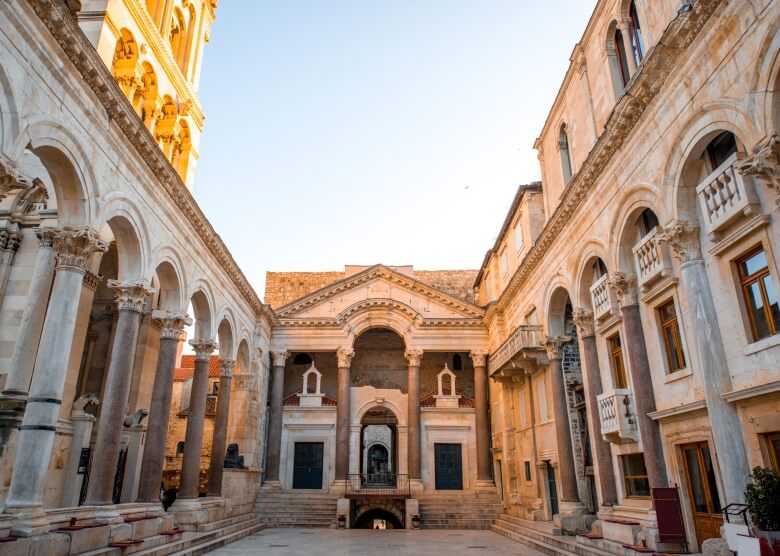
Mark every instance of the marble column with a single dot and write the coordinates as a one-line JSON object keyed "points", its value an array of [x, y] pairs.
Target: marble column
{"points": [[414, 359], [171, 326], [727, 432], [219, 438], [566, 469], [625, 30], [130, 300], [344, 358], [276, 415], [196, 417], [36, 434], [482, 425], [29, 335], [593, 388], [624, 286]]}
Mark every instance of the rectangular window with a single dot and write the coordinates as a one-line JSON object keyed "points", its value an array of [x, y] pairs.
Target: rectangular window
{"points": [[503, 263], [670, 330], [523, 412], [773, 444], [541, 390], [635, 476], [527, 466], [519, 236], [759, 295], [616, 362]]}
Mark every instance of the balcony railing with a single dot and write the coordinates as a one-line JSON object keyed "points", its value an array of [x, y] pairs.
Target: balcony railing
{"points": [[377, 485], [653, 260], [725, 195], [618, 424], [604, 301], [524, 337]]}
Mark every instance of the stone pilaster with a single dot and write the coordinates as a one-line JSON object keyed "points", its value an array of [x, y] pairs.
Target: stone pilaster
{"points": [[276, 415], [727, 433], [414, 359], [344, 357], [481, 421], [36, 434], [82, 432], [171, 326], [131, 299], [219, 438]]}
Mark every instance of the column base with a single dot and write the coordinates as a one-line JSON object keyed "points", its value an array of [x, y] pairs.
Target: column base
{"points": [[28, 521], [339, 486], [272, 485], [416, 486], [188, 513], [108, 514], [573, 518], [485, 485]]}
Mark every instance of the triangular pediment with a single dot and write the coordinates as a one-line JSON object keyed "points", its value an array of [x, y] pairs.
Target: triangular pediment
{"points": [[379, 287]]}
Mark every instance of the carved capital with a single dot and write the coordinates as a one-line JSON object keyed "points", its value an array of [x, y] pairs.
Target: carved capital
{"points": [[45, 237], [764, 162], [75, 247], [624, 286], [9, 240], [479, 357], [226, 367], [171, 325], [203, 349], [583, 319], [683, 238], [554, 345], [9, 181], [413, 357], [280, 357], [92, 280], [131, 296], [344, 356]]}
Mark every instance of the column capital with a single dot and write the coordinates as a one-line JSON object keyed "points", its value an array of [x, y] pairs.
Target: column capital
{"points": [[280, 357], [583, 319], [764, 163], [226, 367], [624, 286], [554, 345], [92, 280], [683, 238], [413, 357], [131, 296], [344, 356], [45, 237], [203, 349], [171, 325], [10, 240], [479, 357], [75, 247]]}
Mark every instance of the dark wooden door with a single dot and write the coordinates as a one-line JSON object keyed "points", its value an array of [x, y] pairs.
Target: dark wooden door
{"points": [[702, 491], [307, 467], [449, 467], [553, 489]]}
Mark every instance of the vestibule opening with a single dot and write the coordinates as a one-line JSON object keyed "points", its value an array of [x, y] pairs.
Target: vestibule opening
{"points": [[378, 518], [378, 447]]}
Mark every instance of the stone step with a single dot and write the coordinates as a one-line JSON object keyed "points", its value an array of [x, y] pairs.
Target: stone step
{"points": [[543, 532]]}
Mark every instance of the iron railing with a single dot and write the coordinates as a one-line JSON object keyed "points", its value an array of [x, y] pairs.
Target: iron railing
{"points": [[378, 485]]}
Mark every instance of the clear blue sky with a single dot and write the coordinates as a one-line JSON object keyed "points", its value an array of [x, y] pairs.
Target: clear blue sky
{"points": [[364, 131]]}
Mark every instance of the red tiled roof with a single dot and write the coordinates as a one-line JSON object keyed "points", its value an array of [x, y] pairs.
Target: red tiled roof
{"points": [[294, 399], [187, 368], [430, 401]]}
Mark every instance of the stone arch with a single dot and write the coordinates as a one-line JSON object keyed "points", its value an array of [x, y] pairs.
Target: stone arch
{"points": [[124, 232], [131, 224], [168, 254], [243, 358], [368, 405], [379, 313], [9, 116], [766, 78], [387, 511], [167, 281], [202, 303], [556, 310], [632, 202], [226, 334], [593, 251]]}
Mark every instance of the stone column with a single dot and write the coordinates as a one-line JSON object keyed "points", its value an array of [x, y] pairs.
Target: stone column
{"points": [[171, 326], [625, 30], [29, 335], [36, 434], [131, 300], [414, 358], [219, 438], [478, 358], [82, 432], [624, 286], [566, 469], [276, 415], [727, 432], [593, 388], [196, 416], [344, 356]]}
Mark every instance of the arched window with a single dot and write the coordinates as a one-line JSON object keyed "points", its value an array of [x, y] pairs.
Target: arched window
{"points": [[646, 222], [719, 150], [563, 146], [599, 269], [457, 362], [180, 448], [622, 61], [637, 43]]}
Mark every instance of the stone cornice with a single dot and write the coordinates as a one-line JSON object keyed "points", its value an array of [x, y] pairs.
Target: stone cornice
{"points": [[644, 86], [325, 322], [380, 272], [61, 23]]}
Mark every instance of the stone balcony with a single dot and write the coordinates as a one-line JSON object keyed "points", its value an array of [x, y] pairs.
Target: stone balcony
{"points": [[653, 260], [525, 341], [618, 424], [725, 196], [603, 298]]}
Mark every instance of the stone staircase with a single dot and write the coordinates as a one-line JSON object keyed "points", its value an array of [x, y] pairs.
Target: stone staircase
{"points": [[277, 508], [543, 537], [459, 511]]}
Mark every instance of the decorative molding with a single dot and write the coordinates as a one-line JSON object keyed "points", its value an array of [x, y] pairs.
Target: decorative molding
{"points": [[63, 26], [752, 392], [624, 286], [683, 238], [226, 368], [679, 410], [554, 345], [45, 237], [10, 182], [10, 240], [583, 320], [413, 357], [92, 280], [131, 296], [344, 356], [764, 164], [75, 247], [171, 325], [479, 357], [643, 88], [280, 357], [203, 349]]}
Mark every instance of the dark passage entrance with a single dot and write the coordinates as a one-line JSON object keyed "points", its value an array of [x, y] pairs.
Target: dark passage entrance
{"points": [[449, 469], [553, 490], [307, 468], [377, 518]]}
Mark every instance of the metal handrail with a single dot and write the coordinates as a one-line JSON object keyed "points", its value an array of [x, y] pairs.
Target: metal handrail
{"points": [[371, 485]]}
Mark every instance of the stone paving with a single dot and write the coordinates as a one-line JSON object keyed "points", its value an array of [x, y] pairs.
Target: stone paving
{"points": [[331, 542]]}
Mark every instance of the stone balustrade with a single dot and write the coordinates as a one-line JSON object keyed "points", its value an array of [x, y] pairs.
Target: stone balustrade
{"points": [[617, 420], [653, 260], [524, 337], [726, 195], [603, 298]]}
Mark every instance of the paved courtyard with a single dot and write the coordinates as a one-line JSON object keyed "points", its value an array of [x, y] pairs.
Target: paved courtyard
{"points": [[330, 542]]}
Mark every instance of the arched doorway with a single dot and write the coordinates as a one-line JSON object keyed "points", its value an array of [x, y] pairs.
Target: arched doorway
{"points": [[378, 518], [378, 452]]}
